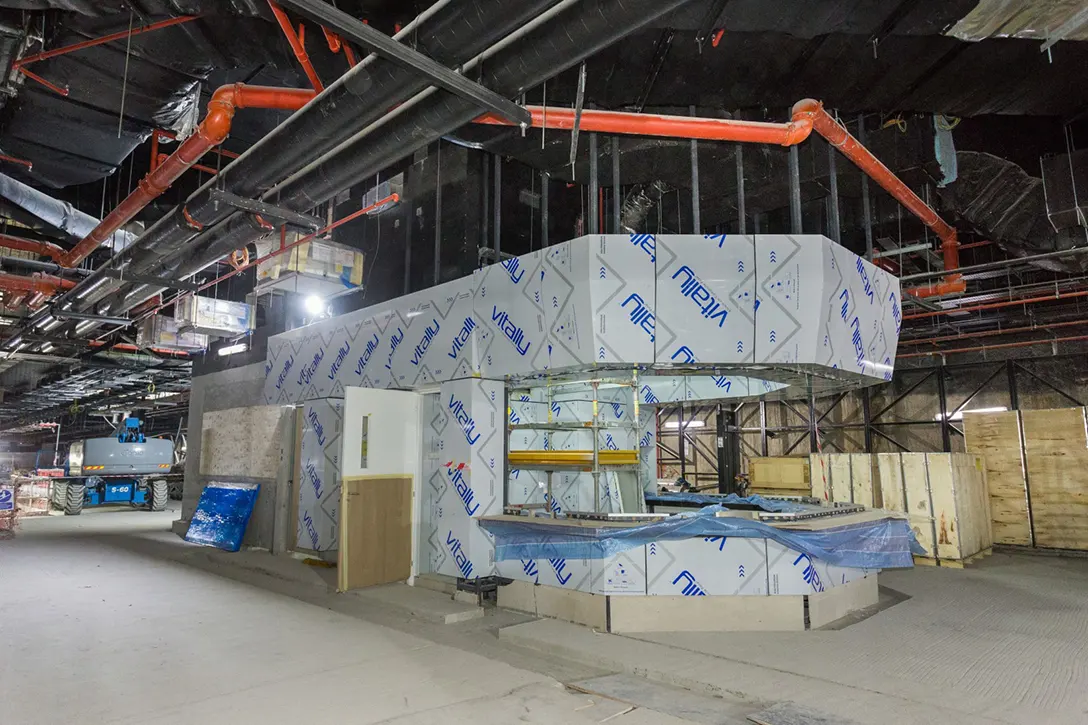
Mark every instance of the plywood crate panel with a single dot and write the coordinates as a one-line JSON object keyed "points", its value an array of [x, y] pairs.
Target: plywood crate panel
{"points": [[779, 475], [945, 498], [843, 478], [997, 437], [1056, 448]]}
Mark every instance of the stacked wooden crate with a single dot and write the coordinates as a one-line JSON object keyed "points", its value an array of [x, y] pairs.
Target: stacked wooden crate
{"points": [[1039, 459], [946, 499], [843, 478]]}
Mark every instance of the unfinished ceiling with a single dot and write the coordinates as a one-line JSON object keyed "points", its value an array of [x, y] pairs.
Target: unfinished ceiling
{"points": [[975, 105]]}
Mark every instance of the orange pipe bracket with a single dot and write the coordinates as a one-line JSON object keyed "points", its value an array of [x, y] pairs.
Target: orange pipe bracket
{"points": [[211, 132]]}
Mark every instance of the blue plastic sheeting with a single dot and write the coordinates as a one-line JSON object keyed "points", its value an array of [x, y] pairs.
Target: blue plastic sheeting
{"points": [[222, 515], [885, 544], [706, 499]]}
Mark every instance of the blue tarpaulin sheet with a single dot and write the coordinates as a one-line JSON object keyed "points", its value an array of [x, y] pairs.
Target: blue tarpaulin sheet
{"points": [[706, 499], [222, 515], [884, 544]]}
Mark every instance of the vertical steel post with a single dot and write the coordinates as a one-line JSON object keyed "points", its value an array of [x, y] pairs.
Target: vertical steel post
{"points": [[497, 208], [795, 191], [763, 428], [696, 216], [866, 411], [836, 229], [680, 444], [617, 193], [438, 214], [594, 188], [544, 183], [408, 246], [742, 222], [1014, 394], [814, 442], [946, 433], [866, 212]]}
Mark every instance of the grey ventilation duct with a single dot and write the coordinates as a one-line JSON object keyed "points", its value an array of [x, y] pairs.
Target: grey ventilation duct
{"points": [[57, 213]]}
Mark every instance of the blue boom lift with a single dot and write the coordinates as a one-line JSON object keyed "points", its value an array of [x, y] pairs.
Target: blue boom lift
{"points": [[117, 469]]}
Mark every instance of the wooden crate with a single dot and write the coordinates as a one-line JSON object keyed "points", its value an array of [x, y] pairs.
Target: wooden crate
{"points": [[1056, 453], [946, 499], [844, 477], [779, 476], [998, 437]]}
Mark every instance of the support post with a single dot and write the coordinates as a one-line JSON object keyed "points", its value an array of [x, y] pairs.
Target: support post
{"points": [[617, 192], [696, 217], [836, 233], [680, 444], [594, 188], [438, 215], [866, 411], [1014, 394], [763, 427], [496, 203], [544, 183], [795, 191], [946, 434], [866, 211], [742, 222]]}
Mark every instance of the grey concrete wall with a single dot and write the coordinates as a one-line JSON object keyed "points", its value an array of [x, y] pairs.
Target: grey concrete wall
{"points": [[235, 388]]}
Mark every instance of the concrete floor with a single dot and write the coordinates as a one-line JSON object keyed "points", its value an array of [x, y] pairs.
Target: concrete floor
{"points": [[108, 618]]}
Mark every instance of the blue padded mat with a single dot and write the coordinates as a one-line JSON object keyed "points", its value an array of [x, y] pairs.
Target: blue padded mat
{"points": [[222, 515]]}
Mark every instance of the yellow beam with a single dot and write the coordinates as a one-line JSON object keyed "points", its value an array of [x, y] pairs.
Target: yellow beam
{"points": [[539, 458]]}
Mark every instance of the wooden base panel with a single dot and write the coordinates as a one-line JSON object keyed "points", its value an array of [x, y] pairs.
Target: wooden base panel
{"points": [[952, 563]]}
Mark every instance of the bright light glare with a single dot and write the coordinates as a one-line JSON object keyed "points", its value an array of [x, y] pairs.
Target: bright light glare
{"points": [[315, 305], [674, 424], [958, 415], [232, 349]]}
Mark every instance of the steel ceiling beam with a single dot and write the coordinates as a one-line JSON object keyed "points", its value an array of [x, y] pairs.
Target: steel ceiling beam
{"points": [[347, 26]]}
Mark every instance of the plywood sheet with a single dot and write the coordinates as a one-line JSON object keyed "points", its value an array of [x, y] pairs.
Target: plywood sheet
{"points": [[1057, 463], [375, 531], [840, 473], [942, 494], [972, 504], [789, 472], [820, 475], [890, 473], [996, 437], [242, 442], [916, 493], [861, 478]]}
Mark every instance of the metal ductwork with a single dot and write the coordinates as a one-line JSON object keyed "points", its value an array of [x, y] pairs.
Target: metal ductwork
{"points": [[59, 214], [577, 33]]}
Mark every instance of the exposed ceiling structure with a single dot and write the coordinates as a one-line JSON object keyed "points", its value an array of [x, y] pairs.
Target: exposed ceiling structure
{"points": [[131, 112]]}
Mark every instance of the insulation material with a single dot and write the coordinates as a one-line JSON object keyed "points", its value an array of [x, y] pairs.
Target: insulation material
{"points": [[463, 455], [1022, 19], [623, 573], [319, 475], [508, 302]]}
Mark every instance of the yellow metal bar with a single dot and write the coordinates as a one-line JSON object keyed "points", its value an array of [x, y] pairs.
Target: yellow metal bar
{"points": [[567, 458]]}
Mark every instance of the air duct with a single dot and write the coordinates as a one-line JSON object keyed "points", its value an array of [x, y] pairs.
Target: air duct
{"points": [[59, 214]]}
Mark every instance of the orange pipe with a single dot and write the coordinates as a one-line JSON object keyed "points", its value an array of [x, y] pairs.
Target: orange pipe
{"points": [[46, 249], [807, 116], [1002, 346], [38, 282], [104, 39], [296, 43], [837, 135], [59, 90], [997, 305], [649, 124], [22, 162], [210, 133], [992, 333]]}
